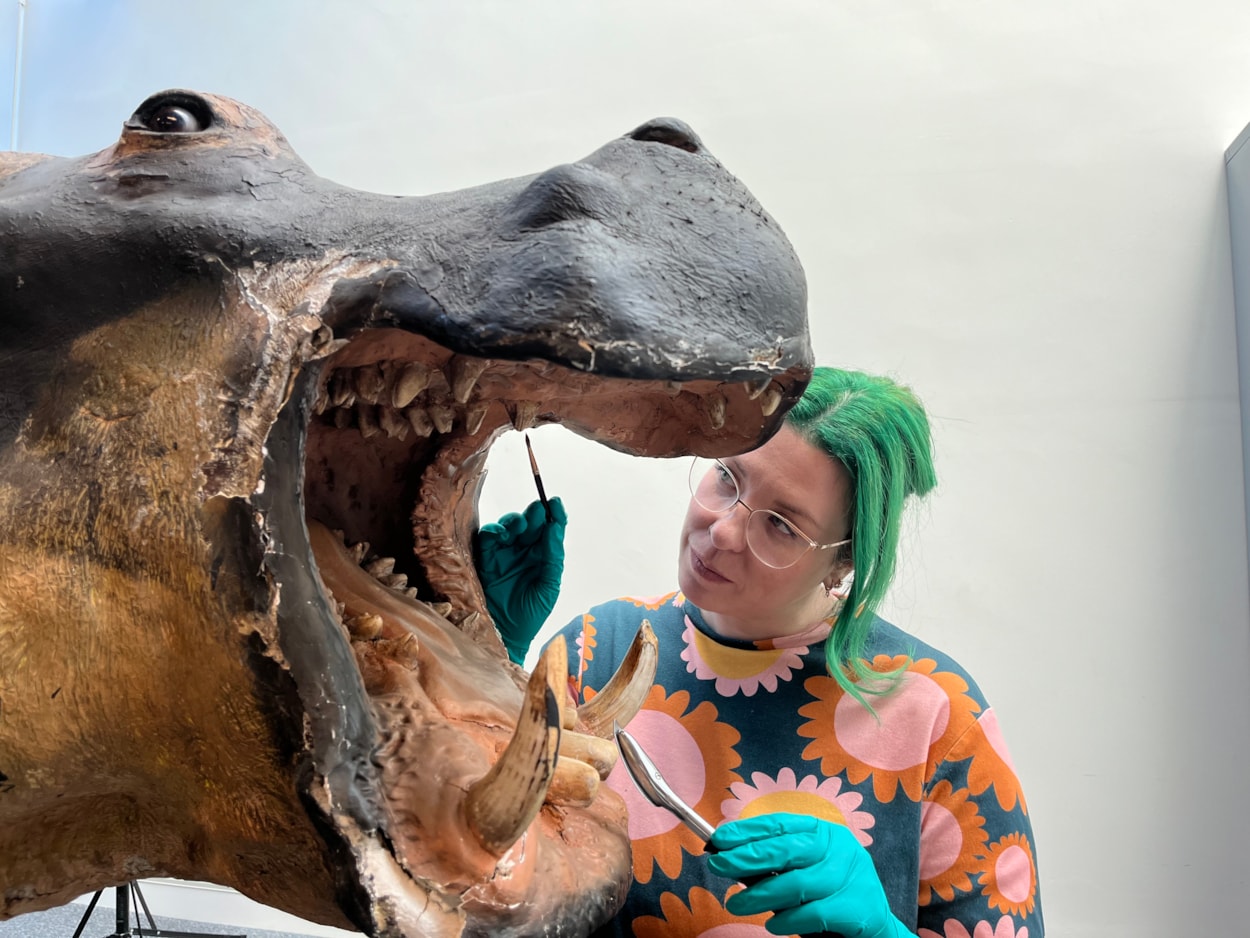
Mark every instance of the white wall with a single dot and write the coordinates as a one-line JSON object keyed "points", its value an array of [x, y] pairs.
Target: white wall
{"points": [[1018, 208]]}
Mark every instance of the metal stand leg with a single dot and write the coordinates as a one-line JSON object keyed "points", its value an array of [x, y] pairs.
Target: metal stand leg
{"points": [[123, 913], [122, 919]]}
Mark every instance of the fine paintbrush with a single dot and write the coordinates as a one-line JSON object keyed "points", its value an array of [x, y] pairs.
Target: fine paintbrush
{"points": [[538, 479]]}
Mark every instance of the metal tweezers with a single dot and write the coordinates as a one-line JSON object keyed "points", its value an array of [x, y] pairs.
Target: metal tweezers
{"points": [[651, 783]]}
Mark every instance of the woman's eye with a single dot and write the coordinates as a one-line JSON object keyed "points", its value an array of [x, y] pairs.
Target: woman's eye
{"points": [[172, 119], [782, 527], [725, 478]]}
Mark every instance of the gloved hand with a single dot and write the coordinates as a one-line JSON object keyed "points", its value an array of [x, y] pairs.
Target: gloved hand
{"points": [[824, 880], [520, 560]]}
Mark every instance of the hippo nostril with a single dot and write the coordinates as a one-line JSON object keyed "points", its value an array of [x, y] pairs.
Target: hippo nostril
{"points": [[671, 132]]}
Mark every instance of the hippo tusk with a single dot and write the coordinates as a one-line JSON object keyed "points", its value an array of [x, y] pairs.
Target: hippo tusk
{"points": [[622, 697], [505, 801]]}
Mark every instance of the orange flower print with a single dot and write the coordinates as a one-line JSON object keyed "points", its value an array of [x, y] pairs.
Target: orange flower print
{"points": [[1006, 928], [738, 669], [1009, 875], [765, 796], [847, 738], [650, 603], [585, 653], [697, 757], [991, 762], [704, 918], [952, 837]]}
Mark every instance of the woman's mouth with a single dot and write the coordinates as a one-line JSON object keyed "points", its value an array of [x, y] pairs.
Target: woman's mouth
{"points": [[701, 568]]}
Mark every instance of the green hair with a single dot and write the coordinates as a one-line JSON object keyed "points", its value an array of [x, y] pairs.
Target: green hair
{"points": [[878, 431]]}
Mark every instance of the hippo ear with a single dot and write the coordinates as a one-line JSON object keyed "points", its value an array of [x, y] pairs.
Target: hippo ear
{"points": [[11, 162]]}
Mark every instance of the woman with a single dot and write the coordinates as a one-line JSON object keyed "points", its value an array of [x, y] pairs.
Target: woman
{"points": [[857, 775]]}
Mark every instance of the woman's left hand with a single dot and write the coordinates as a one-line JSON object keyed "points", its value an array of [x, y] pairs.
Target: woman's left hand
{"points": [[811, 873]]}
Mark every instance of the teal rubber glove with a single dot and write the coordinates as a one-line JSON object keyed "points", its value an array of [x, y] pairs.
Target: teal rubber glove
{"points": [[816, 877], [520, 560]]}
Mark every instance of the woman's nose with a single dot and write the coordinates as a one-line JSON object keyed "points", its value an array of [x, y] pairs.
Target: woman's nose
{"points": [[729, 531]]}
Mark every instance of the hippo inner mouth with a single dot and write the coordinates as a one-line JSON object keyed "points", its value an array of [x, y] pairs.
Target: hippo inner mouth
{"points": [[396, 448], [398, 430]]}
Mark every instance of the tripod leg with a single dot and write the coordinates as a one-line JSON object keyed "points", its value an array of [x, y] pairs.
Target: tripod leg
{"points": [[123, 913], [146, 911], [86, 915]]}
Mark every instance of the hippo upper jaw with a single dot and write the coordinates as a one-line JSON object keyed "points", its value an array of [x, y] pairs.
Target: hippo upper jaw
{"points": [[251, 440]]}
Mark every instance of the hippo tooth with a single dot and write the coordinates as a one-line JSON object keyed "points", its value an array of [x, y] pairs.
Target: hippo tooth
{"points": [[392, 422], [358, 552], [442, 609], [322, 401], [396, 581], [443, 417], [367, 420], [410, 592], [523, 414], [380, 567], [341, 393], [714, 407], [504, 802], [756, 388], [419, 420], [369, 383], [473, 417], [594, 750], [342, 418], [622, 697], [412, 379], [402, 650], [769, 400], [672, 388], [574, 784], [367, 625], [462, 375]]}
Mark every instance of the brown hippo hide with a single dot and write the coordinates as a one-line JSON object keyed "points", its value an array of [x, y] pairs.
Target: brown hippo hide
{"points": [[243, 419]]}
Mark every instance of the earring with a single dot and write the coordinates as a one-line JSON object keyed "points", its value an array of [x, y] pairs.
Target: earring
{"points": [[840, 590]]}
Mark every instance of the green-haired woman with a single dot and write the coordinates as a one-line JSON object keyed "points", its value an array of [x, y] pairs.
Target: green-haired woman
{"points": [[857, 776]]}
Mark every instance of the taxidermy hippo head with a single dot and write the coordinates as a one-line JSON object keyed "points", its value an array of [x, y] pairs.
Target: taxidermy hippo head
{"points": [[244, 414]]}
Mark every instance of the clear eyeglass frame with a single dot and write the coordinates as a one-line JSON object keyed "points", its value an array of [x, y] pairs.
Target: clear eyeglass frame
{"points": [[699, 469]]}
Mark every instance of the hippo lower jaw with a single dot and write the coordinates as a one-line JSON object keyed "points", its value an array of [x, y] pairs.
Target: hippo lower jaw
{"points": [[507, 831]]}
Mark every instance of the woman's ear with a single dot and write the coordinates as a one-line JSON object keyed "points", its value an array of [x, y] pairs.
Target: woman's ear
{"points": [[838, 581]]}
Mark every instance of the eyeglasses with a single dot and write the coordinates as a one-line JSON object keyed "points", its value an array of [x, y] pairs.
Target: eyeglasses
{"points": [[776, 541]]}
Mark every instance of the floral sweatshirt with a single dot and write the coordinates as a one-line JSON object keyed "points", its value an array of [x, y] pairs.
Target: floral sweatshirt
{"points": [[740, 729]]}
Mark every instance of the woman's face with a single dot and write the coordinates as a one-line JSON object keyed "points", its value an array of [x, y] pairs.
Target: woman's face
{"points": [[742, 596]]}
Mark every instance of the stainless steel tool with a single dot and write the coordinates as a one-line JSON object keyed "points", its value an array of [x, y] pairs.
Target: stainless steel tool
{"points": [[651, 783]]}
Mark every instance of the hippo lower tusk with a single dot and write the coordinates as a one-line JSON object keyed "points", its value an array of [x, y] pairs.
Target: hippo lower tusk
{"points": [[505, 801], [622, 696]]}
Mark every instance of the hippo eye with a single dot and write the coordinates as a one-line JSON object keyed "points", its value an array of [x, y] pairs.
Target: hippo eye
{"points": [[172, 119], [172, 112]]}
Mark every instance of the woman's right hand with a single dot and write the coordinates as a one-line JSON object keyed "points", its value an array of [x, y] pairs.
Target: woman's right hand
{"points": [[520, 562], [812, 874]]}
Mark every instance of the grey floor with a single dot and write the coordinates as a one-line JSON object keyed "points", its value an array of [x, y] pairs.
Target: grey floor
{"points": [[62, 922]]}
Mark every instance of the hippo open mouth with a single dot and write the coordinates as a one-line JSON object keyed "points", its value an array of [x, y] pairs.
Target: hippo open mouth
{"points": [[245, 414]]}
